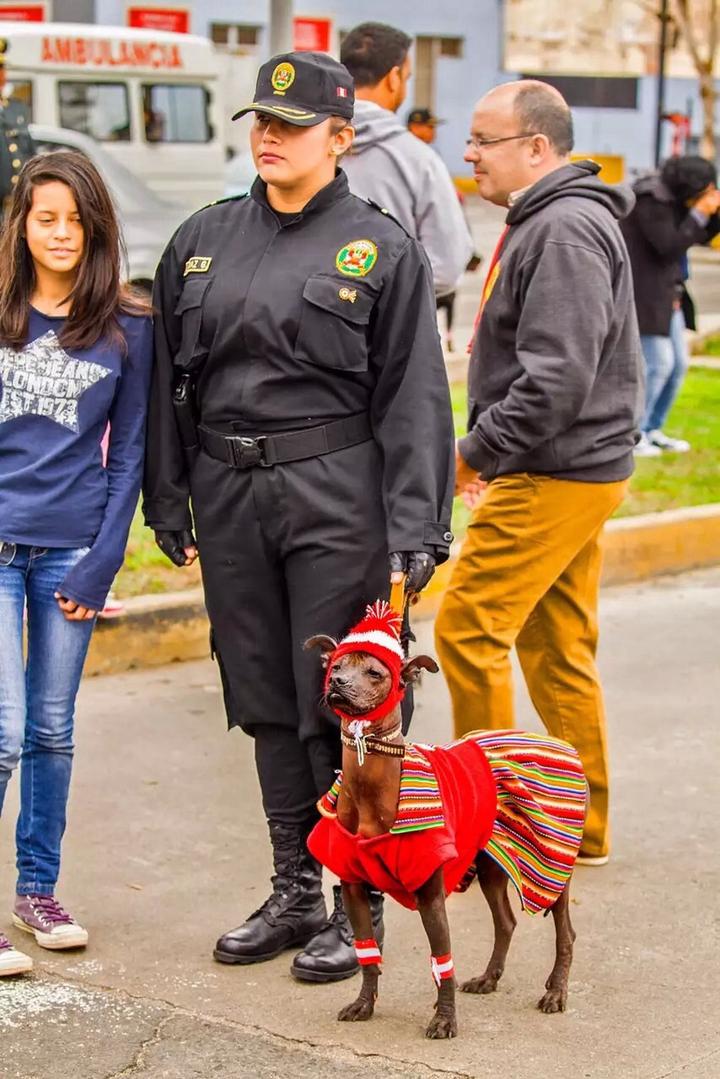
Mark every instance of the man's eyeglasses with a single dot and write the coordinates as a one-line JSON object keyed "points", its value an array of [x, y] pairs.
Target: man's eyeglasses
{"points": [[480, 144]]}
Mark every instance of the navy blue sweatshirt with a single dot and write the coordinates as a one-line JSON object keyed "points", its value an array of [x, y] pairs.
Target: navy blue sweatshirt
{"points": [[54, 409]]}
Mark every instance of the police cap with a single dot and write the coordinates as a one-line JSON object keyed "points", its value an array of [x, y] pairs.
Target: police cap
{"points": [[303, 88], [423, 116]]}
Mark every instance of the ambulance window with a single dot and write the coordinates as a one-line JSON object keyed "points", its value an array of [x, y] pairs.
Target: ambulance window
{"points": [[99, 109], [20, 90], [176, 113]]}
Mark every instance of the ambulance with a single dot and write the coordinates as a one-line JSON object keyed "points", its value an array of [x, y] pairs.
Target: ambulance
{"points": [[153, 99]]}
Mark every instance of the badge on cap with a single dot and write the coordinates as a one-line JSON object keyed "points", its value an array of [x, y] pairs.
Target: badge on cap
{"points": [[357, 258], [283, 77]]}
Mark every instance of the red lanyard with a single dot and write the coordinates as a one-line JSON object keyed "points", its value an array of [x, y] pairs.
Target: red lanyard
{"points": [[489, 284]]}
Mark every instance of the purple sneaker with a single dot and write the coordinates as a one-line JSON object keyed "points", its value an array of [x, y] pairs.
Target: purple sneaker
{"points": [[11, 960], [51, 926]]}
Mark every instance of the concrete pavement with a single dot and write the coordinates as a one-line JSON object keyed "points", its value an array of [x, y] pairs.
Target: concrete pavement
{"points": [[166, 848]]}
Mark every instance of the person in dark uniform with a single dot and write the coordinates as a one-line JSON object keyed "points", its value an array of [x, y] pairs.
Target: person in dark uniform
{"points": [[300, 403], [16, 143]]}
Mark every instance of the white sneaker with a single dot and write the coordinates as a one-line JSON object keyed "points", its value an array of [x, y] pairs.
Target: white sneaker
{"points": [[645, 448], [664, 442], [11, 960]]}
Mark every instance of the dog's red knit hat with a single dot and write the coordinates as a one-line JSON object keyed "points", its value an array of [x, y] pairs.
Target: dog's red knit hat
{"points": [[378, 634]]}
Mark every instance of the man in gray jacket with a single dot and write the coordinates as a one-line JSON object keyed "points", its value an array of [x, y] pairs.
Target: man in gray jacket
{"points": [[389, 165], [555, 393]]}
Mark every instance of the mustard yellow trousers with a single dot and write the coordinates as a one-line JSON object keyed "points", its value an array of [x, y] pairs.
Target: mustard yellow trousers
{"points": [[528, 575]]}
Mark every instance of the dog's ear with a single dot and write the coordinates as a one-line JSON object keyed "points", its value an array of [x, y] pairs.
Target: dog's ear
{"points": [[322, 641], [412, 668]]}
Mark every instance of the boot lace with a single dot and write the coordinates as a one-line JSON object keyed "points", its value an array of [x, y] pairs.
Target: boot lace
{"points": [[340, 921], [47, 909]]}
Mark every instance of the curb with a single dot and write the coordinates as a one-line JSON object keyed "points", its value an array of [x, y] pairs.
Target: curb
{"points": [[173, 626]]}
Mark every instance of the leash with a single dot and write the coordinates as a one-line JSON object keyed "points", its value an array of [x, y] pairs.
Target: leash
{"points": [[398, 596]]}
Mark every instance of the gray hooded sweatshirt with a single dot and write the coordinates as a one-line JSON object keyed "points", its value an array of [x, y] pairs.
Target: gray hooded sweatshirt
{"points": [[556, 374], [399, 172]]}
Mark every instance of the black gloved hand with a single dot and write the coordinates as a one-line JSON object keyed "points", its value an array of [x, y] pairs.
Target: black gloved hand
{"points": [[173, 544], [418, 565]]}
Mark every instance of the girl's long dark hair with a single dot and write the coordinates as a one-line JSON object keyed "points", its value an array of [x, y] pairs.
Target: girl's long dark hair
{"points": [[97, 297]]}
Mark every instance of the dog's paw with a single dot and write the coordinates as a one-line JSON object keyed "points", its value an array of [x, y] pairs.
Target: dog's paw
{"points": [[555, 1000], [442, 1025], [357, 1012], [486, 983]]}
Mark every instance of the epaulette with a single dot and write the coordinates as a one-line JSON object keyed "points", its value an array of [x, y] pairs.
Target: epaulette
{"points": [[386, 213], [217, 202]]}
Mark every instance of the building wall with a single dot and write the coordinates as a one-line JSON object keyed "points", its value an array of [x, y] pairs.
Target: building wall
{"points": [[629, 133]]}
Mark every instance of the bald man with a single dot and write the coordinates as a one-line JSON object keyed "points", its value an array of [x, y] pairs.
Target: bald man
{"points": [[555, 393]]}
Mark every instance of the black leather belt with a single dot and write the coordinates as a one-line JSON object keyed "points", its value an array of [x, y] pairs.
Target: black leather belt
{"points": [[264, 451]]}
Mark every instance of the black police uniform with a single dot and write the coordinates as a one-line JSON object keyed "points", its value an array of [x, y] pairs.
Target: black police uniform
{"points": [[16, 144], [324, 441]]}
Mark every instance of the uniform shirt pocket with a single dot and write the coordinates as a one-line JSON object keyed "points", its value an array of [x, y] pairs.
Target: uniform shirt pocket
{"points": [[189, 309], [333, 326]]}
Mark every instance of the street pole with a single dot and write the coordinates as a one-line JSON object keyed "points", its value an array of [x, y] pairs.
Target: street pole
{"points": [[664, 19], [281, 26]]}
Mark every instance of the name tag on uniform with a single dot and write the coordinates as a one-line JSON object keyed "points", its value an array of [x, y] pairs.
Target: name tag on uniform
{"points": [[197, 264]]}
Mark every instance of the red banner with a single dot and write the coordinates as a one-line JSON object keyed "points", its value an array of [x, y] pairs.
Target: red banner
{"points": [[22, 13], [311, 35], [160, 18]]}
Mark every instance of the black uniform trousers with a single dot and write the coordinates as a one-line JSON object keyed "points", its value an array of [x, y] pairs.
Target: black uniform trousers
{"points": [[288, 552]]}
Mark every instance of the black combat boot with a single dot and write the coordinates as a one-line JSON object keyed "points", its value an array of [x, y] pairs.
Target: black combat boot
{"points": [[330, 955], [291, 915]]}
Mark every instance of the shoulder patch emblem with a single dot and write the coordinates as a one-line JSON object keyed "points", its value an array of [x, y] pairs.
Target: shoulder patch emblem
{"points": [[197, 264], [357, 258], [283, 77]]}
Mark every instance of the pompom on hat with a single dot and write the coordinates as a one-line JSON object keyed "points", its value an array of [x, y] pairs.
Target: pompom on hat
{"points": [[376, 634]]}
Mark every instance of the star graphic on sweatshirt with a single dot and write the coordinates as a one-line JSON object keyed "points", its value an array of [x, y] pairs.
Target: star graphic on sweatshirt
{"points": [[43, 380]]}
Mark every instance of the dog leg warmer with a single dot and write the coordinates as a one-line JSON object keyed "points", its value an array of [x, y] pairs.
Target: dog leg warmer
{"points": [[442, 968], [367, 952]]}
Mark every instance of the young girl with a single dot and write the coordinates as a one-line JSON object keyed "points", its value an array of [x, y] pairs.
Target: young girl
{"points": [[75, 354]]}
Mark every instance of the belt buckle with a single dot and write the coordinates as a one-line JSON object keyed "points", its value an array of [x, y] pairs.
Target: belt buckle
{"points": [[248, 452]]}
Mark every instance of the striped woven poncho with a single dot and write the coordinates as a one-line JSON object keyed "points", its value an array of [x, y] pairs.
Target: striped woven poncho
{"points": [[520, 797]]}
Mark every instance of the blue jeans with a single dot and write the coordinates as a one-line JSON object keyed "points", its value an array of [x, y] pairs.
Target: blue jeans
{"points": [[37, 703], [666, 362]]}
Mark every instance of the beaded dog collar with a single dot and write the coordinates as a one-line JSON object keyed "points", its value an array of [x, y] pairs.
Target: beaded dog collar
{"points": [[368, 743]]}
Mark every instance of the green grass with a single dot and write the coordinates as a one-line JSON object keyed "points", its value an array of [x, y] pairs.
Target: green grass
{"points": [[711, 346], [663, 483], [670, 481]]}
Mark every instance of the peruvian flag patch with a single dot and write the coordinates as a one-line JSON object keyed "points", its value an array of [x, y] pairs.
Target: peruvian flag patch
{"points": [[342, 91]]}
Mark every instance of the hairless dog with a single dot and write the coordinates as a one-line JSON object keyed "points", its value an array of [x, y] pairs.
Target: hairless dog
{"points": [[365, 807]]}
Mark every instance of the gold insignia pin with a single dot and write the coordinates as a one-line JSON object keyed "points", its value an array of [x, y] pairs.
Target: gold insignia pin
{"points": [[197, 264], [348, 294]]}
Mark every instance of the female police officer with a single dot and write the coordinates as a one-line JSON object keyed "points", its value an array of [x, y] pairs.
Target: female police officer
{"points": [[300, 402]]}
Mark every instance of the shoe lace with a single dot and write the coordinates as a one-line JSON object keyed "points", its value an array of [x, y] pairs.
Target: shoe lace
{"points": [[340, 921], [48, 909], [276, 899]]}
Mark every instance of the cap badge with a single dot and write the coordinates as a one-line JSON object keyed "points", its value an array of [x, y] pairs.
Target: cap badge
{"points": [[283, 77], [357, 258], [346, 293]]}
